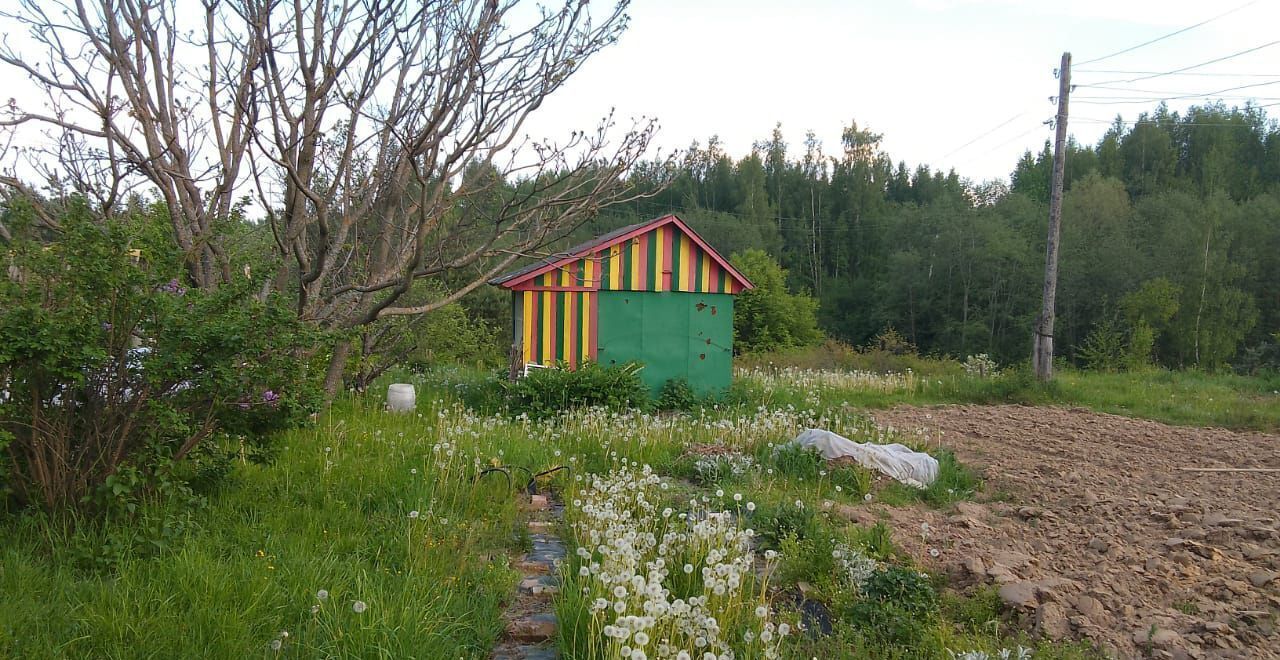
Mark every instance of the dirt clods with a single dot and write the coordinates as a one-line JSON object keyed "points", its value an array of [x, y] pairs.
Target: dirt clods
{"points": [[1090, 530]]}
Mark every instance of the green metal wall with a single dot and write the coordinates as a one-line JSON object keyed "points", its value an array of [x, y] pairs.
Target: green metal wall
{"points": [[674, 334]]}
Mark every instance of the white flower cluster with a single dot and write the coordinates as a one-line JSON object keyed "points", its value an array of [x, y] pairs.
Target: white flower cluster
{"points": [[1020, 653], [855, 567], [811, 379], [712, 468], [980, 366], [666, 585]]}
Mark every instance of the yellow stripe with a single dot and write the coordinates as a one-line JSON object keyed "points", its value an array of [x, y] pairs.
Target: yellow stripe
{"points": [[527, 344], [706, 273], [589, 271], [545, 302], [660, 237], [636, 284], [686, 268], [615, 268]]}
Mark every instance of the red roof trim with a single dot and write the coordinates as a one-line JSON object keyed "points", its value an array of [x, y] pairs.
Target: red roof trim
{"points": [[643, 229]]}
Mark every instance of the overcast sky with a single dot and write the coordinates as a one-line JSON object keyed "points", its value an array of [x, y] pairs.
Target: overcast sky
{"points": [[961, 84], [930, 75]]}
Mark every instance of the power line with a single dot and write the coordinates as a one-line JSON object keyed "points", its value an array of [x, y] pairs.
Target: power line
{"points": [[1037, 127], [1171, 34], [1106, 100], [989, 132], [1192, 73], [1165, 93], [1194, 66]]}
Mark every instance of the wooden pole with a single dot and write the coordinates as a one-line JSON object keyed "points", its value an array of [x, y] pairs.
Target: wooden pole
{"points": [[1042, 350]]}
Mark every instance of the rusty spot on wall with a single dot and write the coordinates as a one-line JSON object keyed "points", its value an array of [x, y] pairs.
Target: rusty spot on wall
{"points": [[713, 310], [702, 356], [701, 306]]}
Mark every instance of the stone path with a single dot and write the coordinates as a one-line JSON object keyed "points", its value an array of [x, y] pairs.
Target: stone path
{"points": [[530, 618]]}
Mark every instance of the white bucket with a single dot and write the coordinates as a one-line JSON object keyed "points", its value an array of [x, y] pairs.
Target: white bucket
{"points": [[400, 397]]}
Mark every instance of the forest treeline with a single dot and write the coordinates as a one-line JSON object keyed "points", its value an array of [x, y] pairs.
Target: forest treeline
{"points": [[1170, 239]]}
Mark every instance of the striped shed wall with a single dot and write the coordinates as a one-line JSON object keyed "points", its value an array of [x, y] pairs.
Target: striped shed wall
{"points": [[555, 304]]}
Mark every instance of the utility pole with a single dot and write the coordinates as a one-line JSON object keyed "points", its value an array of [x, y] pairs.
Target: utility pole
{"points": [[1042, 350]]}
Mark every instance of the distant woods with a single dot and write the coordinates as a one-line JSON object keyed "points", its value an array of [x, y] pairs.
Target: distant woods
{"points": [[1170, 242]]}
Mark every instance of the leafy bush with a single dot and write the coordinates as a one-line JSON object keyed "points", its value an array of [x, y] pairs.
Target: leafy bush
{"points": [[769, 317], [898, 610], [676, 394], [545, 392], [775, 524], [118, 378]]}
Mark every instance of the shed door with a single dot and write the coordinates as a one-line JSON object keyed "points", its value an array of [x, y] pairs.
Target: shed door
{"points": [[675, 335]]}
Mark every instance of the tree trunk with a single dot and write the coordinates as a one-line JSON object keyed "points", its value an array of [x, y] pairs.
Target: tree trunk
{"points": [[337, 367]]}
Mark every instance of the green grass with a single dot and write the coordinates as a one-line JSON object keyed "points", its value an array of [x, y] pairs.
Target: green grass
{"points": [[332, 512], [1186, 398]]}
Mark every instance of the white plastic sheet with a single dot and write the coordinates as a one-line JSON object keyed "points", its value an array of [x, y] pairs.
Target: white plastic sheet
{"points": [[910, 467]]}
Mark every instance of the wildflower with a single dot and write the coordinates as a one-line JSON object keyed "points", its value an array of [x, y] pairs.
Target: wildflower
{"points": [[359, 607], [413, 515], [751, 506], [276, 644], [270, 397], [762, 611], [413, 470], [322, 595], [737, 497]]}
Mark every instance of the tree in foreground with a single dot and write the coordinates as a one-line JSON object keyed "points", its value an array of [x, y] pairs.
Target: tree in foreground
{"points": [[381, 139]]}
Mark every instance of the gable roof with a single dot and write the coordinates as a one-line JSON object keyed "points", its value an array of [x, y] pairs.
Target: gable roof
{"points": [[605, 241]]}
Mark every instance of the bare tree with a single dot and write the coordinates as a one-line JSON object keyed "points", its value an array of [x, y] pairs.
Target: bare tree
{"points": [[380, 138]]}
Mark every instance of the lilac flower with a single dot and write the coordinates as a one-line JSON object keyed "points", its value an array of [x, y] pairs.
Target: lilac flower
{"points": [[106, 327], [271, 397], [174, 287]]}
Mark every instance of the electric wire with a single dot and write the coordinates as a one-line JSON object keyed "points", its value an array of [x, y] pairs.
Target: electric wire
{"points": [[1193, 66], [1171, 34], [983, 135]]}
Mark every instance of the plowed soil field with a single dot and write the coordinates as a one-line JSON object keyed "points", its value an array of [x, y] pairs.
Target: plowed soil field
{"points": [[1093, 527]]}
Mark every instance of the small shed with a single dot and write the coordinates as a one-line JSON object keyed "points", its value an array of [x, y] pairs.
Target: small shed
{"points": [[653, 293]]}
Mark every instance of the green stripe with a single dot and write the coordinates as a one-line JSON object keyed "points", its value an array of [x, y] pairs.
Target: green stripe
{"points": [[558, 331], [626, 265], [720, 281], [651, 272], [698, 283], [675, 260]]}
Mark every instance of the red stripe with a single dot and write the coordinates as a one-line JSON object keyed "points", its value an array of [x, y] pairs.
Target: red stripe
{"points": [[644, 263], [555, 329], [713, 278], [591, 336], [535, 337]]}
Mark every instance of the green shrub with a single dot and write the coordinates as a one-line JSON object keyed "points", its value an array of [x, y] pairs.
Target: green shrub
{"points": [[796, 463], [898, 611], [120, 379], [545, 392], [676, 394], [768, 316], [774, 524]]}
